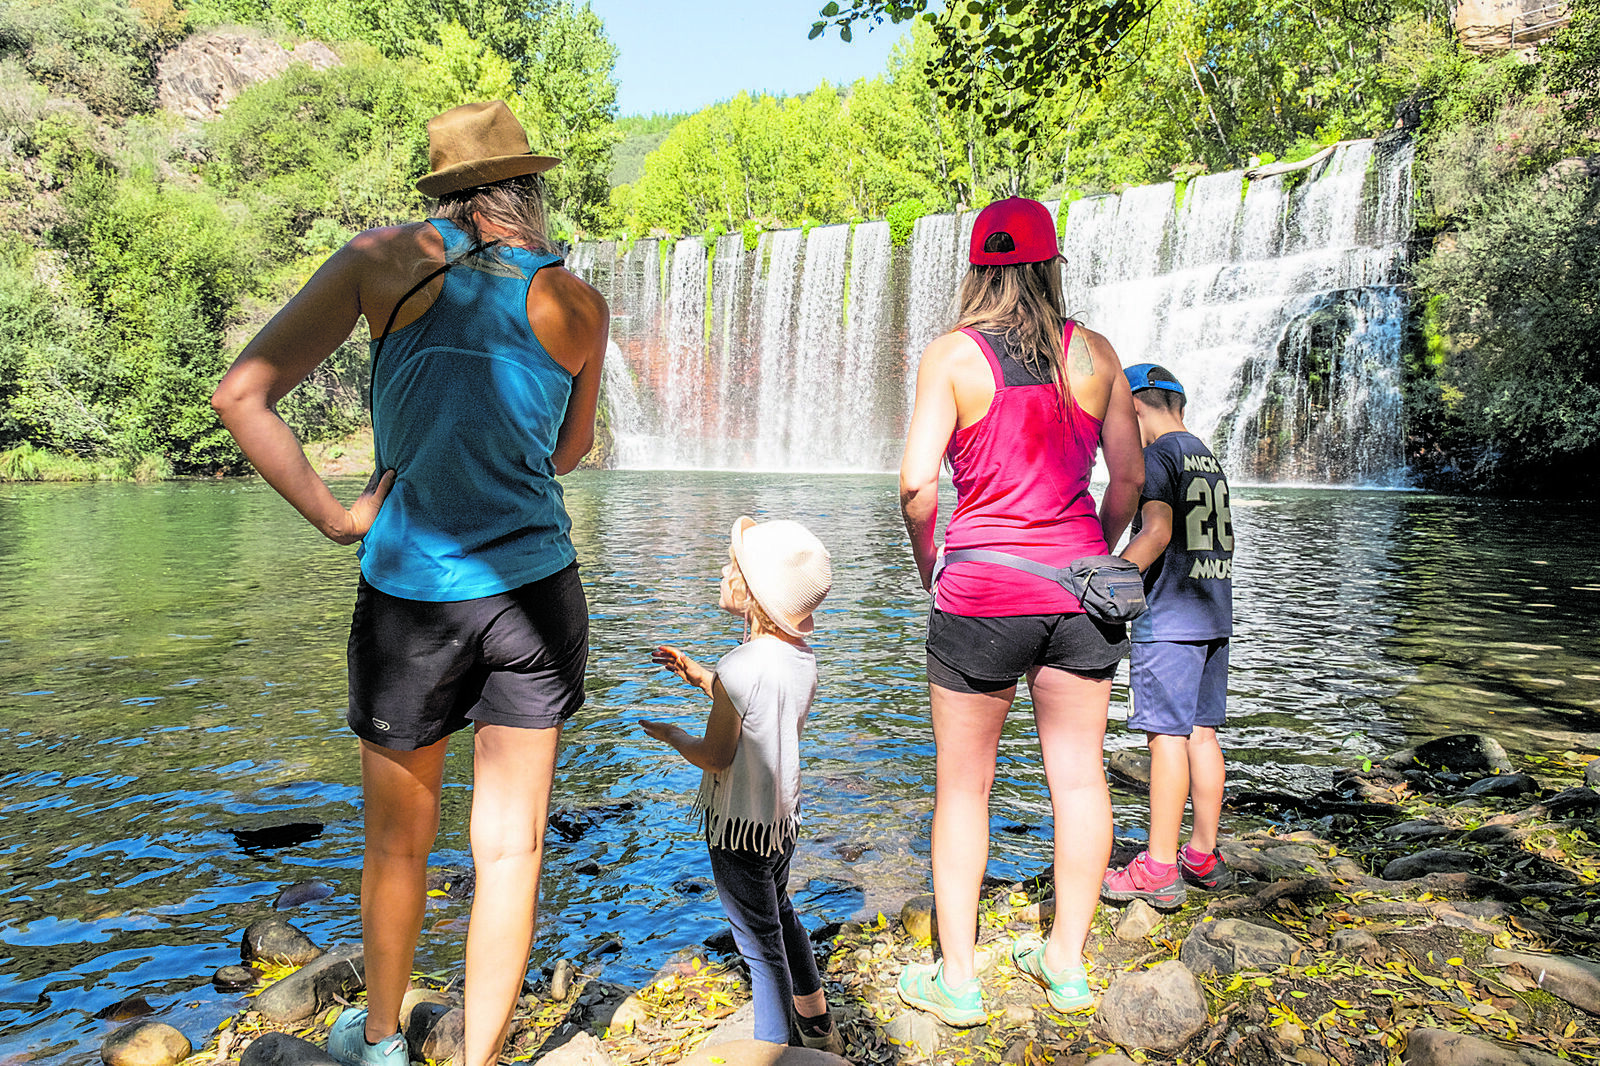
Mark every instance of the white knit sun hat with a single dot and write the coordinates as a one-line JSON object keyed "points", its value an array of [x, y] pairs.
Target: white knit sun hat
{"points": [[786, 569]]}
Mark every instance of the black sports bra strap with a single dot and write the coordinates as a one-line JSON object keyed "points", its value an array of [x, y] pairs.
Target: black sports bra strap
{"points": [[372, 376]]}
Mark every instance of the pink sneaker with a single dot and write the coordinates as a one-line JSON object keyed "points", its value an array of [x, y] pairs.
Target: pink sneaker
{"points": [[1140, 879]]}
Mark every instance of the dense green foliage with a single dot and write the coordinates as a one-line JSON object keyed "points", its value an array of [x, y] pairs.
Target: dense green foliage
{"points": [[1201, 85], [1508, 393], [145, 249], [149, 247], [639, 136]]}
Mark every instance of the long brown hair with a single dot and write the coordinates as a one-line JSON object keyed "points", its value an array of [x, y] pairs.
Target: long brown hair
{"points": [[516, 204], [1023, 303]]}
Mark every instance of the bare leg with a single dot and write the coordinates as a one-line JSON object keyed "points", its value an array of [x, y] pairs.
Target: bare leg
{"points": [[811, 1006], [400, 790], [1070, 714], [1207, 775], [512, 772], [966, 734], [1169, 793]]}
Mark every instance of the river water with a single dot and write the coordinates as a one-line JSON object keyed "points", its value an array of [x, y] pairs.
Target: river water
{"points": [[172, 675]]}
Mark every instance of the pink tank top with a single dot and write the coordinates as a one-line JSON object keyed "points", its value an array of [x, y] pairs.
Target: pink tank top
{"points": [[1022, 486]]}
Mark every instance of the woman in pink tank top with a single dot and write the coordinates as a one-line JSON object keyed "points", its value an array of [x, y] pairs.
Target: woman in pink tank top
{"points": [[1018, 399]]}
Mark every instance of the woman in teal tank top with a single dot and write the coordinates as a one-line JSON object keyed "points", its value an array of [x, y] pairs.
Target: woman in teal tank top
{"points": [[486, 377]]}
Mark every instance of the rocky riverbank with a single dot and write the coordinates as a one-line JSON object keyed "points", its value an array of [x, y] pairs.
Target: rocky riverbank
{"points": [[1435, 908]]}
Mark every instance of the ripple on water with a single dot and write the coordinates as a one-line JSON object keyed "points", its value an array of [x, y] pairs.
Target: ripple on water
{"points": [[180, 689]]}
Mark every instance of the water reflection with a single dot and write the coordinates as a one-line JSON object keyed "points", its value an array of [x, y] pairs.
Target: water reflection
{"points": [[172, 685]]}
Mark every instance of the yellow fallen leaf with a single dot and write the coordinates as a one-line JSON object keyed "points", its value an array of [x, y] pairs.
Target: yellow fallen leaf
{"points": [[1457, 961], [1297, 994]]}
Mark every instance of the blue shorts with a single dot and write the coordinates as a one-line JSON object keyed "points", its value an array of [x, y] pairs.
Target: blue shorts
{"points": [[1177, 685]]}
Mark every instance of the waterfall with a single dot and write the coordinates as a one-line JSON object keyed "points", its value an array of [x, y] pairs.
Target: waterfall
{"points": [[1277, 301]]}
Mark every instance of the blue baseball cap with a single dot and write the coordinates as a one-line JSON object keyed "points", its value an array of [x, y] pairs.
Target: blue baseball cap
{"points": [[1151, 376]]}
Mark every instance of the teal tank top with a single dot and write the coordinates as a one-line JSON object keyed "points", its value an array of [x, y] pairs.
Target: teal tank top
{"points": [[466, 406]]}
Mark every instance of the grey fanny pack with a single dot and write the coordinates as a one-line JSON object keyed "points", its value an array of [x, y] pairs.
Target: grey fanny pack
{"points": [[1110, 588]]}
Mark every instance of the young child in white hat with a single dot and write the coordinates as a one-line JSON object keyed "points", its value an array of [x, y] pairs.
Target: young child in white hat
{"points": [[761, 692]]}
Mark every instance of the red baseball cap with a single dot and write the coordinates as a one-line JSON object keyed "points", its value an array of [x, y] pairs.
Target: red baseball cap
{"points": [[1029, 225]]}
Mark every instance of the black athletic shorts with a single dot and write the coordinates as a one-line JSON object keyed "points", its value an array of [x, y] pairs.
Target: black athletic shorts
{"points": [[420, 671], [989, 654]]}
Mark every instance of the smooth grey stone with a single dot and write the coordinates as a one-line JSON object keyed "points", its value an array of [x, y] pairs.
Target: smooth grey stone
{"points": [[915, 1028], [314, 986], [1575, 980], [1470, 753], [1498, 834], [1432, 861], [447, 1038], [1591, 774], [233, 979], [1440, 1047], [1138, 920], [281, 1049], [1283, 862], [1579, 800], [145, 1043], [582, 1050], [917, 916], [1358, 943], [455, 882], [1131, 766], [126, 1009], [1160, 1009], [422, 1019], [299, 894], [588, 868], [273, 939], [561, 980], [1417, 829], [1502, 785], [1231, 944], [740, 1025]]}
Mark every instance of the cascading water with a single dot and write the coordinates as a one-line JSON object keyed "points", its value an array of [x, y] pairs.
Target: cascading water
{"points": [[1275, 300]]}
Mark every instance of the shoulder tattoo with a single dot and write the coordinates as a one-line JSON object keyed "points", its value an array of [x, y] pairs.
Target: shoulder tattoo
{"points": [[1079, 357]]}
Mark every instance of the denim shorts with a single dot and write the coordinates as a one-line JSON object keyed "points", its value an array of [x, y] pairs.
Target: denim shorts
{"points": [[1177, 685], [421, 670], [967, 654]]}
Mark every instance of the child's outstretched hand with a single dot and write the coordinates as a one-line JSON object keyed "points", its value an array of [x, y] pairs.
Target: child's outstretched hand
{"points": [[665, 732], [669, 658]]}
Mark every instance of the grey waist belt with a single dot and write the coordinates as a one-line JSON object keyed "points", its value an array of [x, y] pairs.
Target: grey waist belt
{"points": [[1061, 576]]}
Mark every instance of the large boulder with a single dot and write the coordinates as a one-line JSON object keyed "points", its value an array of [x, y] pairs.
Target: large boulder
{"points": [[145, 1043], [1464, 753], [202, 76], [316, 986], [1440, 1047], [1160, 1009], [1230, 945]]}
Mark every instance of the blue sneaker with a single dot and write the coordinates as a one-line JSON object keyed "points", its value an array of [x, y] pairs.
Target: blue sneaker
{"points": [[347, 1042]]}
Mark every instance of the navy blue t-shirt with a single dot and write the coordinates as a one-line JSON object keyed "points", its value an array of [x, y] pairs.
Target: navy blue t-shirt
{"points": [[1190, 587]]}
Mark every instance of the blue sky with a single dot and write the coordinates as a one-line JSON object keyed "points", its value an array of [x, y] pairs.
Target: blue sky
{"points": [[681, 57]]}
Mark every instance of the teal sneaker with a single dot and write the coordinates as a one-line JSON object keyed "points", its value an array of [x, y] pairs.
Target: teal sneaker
{"points": [[922, 986], [1065, 990], [347, 1042]]}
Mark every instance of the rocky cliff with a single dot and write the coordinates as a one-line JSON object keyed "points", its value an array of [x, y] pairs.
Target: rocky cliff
{"points": [[201, 76]]}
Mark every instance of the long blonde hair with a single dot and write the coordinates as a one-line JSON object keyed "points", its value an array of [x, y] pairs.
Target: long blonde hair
{"points": [[516, 204], [1022, 302]]}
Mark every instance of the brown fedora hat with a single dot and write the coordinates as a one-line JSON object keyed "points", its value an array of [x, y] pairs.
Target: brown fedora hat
{"points": [[477, 144]]}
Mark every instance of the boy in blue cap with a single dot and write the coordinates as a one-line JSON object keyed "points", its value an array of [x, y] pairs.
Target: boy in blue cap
{"points": [[1183, 541]]}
